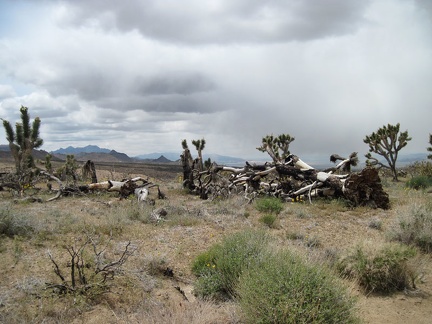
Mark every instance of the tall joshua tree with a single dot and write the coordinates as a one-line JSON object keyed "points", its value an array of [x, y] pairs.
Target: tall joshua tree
{"points": [[387, 142], [23, 140]]}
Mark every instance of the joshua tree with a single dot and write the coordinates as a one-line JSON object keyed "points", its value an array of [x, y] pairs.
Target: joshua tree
{"points": [[23, 140], [187, 163], [387, 142], [276, 147], [199, 145], [430, 147]]}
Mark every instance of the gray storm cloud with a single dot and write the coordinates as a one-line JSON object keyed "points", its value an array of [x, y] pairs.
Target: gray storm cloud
{"points": [[139, 76]]}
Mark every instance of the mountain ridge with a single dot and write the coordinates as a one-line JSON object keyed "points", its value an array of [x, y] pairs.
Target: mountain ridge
{"points": [[95, 153]]}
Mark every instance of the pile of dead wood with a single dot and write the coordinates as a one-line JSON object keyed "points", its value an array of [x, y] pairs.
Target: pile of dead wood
{"points": [[289, 179]]}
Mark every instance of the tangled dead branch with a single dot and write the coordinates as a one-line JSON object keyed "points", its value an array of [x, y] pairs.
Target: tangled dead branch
{"points": [[85, 273], [290, 178]]}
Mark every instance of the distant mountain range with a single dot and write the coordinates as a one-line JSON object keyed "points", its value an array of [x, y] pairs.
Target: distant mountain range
{"points": [[221, 159], [85, 149], [97, 154]]}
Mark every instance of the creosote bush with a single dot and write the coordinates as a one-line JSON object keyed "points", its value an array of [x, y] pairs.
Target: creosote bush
{"points": [[382, 269], [419, 182], [282, 288], [414, 227], [219, 268]]}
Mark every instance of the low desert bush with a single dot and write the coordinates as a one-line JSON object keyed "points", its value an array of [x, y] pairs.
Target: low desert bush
{"points": [[414, 227], [219, 268], [382, 269], [282, 288], [268, 219], [419, 182], [269, 205]]}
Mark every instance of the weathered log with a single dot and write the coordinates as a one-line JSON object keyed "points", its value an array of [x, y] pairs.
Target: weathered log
{"points": [[128, 187]]}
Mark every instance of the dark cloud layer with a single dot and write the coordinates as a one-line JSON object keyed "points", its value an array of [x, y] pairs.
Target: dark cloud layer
{"points": [[221, 22]]}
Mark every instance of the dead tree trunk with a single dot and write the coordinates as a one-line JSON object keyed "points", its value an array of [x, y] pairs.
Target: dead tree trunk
{"points": [[188, 166], [89, 171]]}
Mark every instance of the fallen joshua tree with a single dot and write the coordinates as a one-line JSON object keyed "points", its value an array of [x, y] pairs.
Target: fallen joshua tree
{"points": [[137, 186], [287, 177]]}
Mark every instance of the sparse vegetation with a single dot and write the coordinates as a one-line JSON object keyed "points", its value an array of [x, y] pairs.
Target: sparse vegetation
{"points": [[189, 267]]}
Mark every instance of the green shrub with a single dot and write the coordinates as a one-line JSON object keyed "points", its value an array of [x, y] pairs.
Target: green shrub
{"points": [[382, 270], [414, 227], [268, 220], [419, 182], [282, 288], [219, 268], [269, 205]]}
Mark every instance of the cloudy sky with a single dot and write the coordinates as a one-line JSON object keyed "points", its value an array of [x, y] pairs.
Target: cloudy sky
{"points": [[138, 76]]}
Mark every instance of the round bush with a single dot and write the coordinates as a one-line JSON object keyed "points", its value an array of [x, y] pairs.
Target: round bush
{"points": [[285, 289], [218, 269]]}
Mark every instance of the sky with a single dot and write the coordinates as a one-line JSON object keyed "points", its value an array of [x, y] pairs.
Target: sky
{"points": [[140, 76]]}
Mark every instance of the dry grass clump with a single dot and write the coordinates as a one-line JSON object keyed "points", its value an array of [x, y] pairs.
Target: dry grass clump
{"points": [[13, 224], [413, 226], [381, 268], [184, 312]]}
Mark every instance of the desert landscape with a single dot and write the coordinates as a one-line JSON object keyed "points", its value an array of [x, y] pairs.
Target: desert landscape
{"points": [[153, 280]]}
